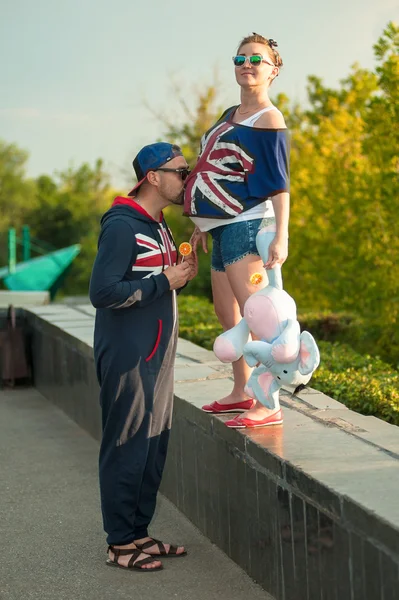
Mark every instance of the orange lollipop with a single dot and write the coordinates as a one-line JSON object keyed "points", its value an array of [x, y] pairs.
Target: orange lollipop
{"points": [[185, 249], [256, 278]]}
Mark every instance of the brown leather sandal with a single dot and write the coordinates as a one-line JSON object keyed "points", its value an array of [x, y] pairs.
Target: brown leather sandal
{"points": [[172, 553], [133, 562]]}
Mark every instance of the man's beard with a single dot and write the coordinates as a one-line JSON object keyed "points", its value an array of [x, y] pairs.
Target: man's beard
{"points": [[179, 201]]}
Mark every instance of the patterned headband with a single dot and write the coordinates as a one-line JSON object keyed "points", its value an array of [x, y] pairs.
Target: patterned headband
{"points": [[272, 43]]}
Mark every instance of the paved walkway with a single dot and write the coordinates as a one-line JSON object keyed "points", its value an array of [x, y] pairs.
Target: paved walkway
{"points": [[52, 543]]}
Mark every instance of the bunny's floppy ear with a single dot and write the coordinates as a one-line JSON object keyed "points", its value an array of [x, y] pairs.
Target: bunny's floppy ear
{"points": [[309, 356]]}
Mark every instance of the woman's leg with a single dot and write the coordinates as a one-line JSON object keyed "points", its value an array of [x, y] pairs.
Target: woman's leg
{"points": [[238, 275], [231, 287], [228, 312]]}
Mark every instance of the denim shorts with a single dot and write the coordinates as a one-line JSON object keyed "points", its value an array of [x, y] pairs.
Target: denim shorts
{"points": [[233, 242]]}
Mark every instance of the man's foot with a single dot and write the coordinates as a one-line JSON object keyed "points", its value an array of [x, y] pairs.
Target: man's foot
{"points": [[131, 557], [228, 404], [155, 547]]}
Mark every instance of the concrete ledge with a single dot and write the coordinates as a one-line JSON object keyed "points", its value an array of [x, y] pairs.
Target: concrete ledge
{"points": [[23, 299], [308, 509]]}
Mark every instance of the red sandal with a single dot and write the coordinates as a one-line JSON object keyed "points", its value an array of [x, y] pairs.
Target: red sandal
{"points": [[244, 423], [236, 407]]}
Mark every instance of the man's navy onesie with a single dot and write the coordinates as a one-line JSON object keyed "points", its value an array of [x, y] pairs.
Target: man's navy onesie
{"points": [[134, 348]]}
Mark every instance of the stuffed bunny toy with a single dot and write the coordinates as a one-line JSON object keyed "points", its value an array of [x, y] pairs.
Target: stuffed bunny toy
{"points": [[286, 356]]}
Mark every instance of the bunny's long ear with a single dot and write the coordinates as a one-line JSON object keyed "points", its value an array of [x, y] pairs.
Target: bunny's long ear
{"points": [[309, 354]]}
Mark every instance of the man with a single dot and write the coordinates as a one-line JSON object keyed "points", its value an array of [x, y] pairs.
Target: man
{"points": [[133, 286]]}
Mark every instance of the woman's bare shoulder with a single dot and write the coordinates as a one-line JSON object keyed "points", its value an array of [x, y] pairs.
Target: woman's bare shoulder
{"points": [[273, 119]]}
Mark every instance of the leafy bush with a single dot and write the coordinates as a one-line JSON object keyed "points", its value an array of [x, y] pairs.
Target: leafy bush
{"points": [[197, 321], [364, 383], [330, 326], [365, 336]]}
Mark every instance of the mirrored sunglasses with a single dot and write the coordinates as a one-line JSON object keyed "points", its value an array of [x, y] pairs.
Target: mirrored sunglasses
{"points": [[256, 60]]}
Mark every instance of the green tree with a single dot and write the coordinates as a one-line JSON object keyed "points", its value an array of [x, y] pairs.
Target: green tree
{"points": [[345, 195], [68, 208], [345, 191], [16, 191], [68, 211]]}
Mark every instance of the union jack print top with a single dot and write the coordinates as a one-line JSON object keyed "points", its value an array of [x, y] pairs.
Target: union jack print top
{"points": [[238, 168]]}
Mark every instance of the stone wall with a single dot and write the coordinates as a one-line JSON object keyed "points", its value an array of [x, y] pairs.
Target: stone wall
{"points": [[309, 509]]}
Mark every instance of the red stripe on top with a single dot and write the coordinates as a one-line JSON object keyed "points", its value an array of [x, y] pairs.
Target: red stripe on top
{"points": [[146, 243], [136, 206], [213, 188], [149, 261]]}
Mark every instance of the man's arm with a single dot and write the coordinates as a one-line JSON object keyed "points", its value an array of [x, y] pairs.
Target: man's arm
{"points": [[108, 287]]}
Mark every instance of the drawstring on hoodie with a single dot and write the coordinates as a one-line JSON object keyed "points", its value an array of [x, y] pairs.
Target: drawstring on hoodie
{"points": [[155, 231], [164, 229]]}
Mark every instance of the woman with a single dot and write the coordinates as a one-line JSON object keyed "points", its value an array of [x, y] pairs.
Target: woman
{"points": [[239, 182]]}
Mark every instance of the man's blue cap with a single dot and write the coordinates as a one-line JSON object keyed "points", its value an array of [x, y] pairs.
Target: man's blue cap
{"points": [[150, 158]]}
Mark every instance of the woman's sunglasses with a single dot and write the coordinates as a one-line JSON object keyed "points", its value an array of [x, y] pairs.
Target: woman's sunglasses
{"points": [[240, 60], [183, 171]]}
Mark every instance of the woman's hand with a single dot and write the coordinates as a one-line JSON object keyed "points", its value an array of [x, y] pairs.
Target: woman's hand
{"points": [[199, 237], [192, 261], [278, 252]]}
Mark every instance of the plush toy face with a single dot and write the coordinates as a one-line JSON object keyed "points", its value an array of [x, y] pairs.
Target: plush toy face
{"points": [[290, 376], [301, 369], [274, 371]]}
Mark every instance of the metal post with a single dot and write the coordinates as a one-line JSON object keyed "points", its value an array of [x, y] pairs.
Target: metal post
{"points": [[12, 250], [25, 243]]}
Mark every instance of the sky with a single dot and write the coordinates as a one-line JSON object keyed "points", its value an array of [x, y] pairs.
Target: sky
{"points": [[77, 77]]}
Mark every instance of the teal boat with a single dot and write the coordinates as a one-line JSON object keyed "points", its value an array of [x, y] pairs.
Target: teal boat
{"points": [[43, 273]]}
